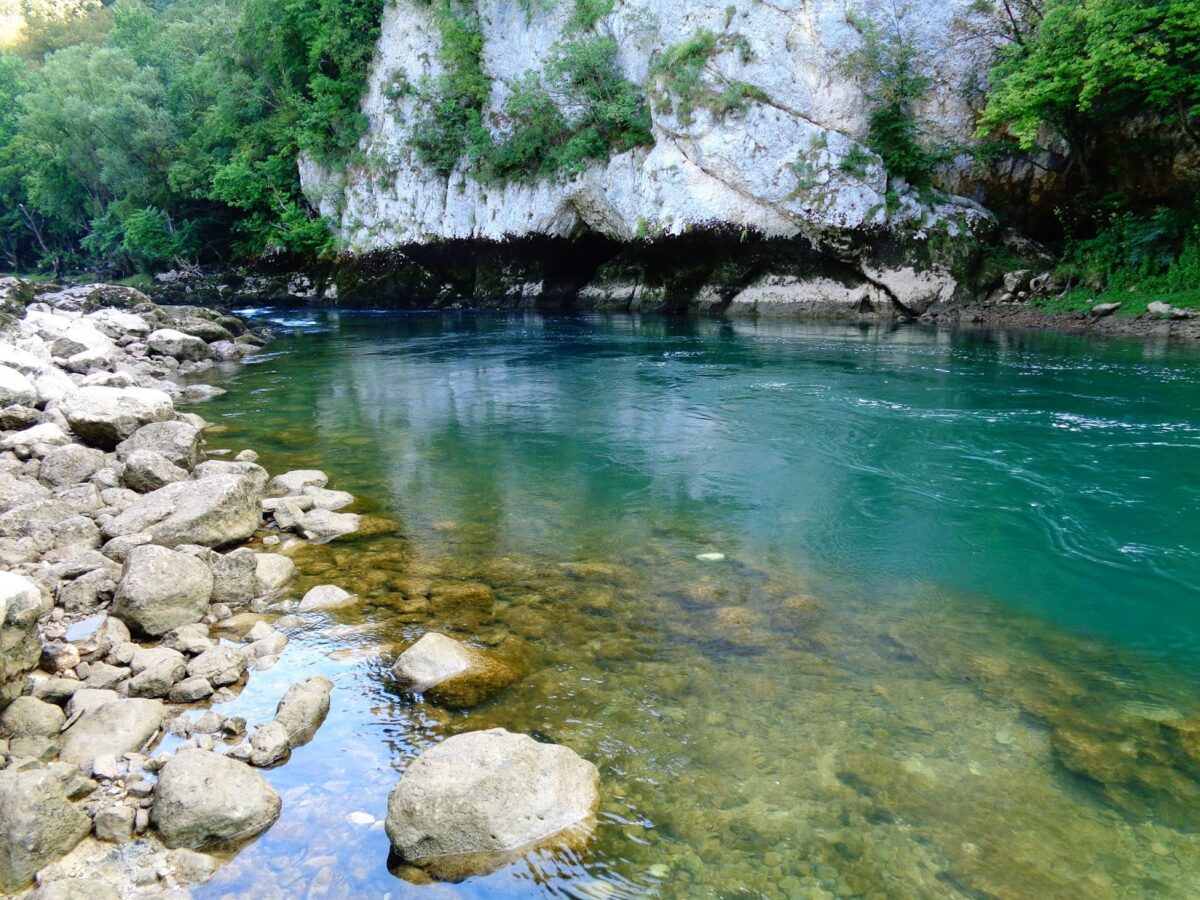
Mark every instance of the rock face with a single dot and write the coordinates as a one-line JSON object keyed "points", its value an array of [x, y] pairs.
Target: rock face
{"points": [[105, 416], [791, 164], [213, 511], [206, 800], [37, 825], [450, 673], [470, 800], [161, 589]]}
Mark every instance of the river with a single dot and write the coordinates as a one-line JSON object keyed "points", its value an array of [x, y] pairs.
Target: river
{"points": [[950, 650]]}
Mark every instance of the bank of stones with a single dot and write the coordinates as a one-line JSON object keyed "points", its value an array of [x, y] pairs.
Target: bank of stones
{"points": [[120, 558]]}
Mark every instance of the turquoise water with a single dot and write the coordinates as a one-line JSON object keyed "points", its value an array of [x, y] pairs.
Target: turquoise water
{"points": [[962, 579]]}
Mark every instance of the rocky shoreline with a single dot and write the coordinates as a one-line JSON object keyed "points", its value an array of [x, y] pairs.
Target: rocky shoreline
{"points": [[697, 276], [143, 580]]}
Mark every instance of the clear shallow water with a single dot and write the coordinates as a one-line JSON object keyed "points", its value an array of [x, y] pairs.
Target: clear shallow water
{"points": [[952, 650]]}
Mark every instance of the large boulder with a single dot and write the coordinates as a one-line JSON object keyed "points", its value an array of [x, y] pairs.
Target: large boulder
{"points": [[161, 589], [206, 800], [147, 471], [38, 825], [69, 464], [220, 665], [303, 709], [183, 347], [20, 646], [450, 673], [29, 715], [468, 803], [272, 573], [155, 671], [212, 512], [16, 389], [234, 582], [178, 441], [105, 416], [112, 729]]}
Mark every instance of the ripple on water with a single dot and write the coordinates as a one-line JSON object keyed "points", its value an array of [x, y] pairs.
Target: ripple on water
{"points": [[858, 700]]}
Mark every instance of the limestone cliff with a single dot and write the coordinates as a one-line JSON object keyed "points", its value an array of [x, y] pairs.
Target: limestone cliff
{"points": [[789, 166]]}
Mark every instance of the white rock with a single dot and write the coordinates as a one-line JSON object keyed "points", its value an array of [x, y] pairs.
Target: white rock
{"points": [[105, 416], [488, 793], [326, 596], [272, 573], [177, 345], [15, 388]]}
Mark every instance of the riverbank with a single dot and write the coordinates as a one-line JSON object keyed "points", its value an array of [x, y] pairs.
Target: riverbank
{"points": [[148, 581], [142, 574]]}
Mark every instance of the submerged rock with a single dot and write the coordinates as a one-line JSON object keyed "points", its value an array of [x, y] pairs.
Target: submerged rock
{"points": [[326, 596], [303, 709], [206, 800], [450, 673], [37, 825], [465, 805]]}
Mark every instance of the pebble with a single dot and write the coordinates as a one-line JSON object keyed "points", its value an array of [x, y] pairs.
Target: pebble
{"points": [[710, 557]]}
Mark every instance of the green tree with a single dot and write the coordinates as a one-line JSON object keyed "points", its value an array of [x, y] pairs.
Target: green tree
{"points": [[1093, 65], [892, 72]]}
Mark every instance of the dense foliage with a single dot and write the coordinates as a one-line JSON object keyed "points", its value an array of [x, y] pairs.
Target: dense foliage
{"points": [[684, 77], [1106, 85], [894, 81], [579, 108], [141, 137]]}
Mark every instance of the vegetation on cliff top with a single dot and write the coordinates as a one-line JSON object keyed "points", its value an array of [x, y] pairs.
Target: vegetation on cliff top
{"points": [[1102, 86], [135, 136]]}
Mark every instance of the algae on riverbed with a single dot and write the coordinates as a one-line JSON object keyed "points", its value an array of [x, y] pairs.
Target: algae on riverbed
{"points": [[933, 663]]}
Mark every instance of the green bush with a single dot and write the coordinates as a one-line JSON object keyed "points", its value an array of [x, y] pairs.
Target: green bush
{"points": [[889, 66], [679, 73], [451, 125]]}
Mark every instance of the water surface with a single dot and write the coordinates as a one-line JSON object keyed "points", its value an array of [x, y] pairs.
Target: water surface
{"points": [[952, 649]]}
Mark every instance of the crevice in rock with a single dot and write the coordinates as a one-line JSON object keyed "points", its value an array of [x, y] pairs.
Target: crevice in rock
{"points": [[905, 311]]}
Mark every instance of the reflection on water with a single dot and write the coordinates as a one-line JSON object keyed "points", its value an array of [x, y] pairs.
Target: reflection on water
{"points": [[951, 650]]}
